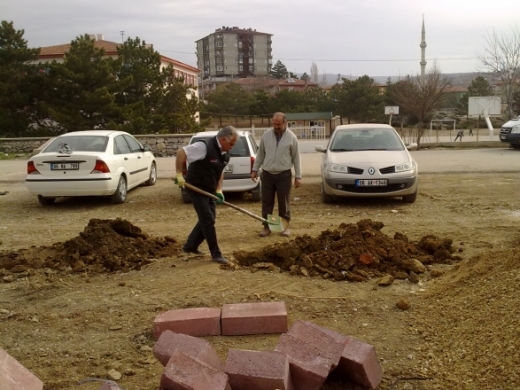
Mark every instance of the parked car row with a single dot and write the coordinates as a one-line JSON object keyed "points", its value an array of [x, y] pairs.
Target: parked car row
{"points": [[363, 160]]}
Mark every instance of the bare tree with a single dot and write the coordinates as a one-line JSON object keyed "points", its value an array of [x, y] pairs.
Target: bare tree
{"points": [[501, 56], [420, 96], [314, 73]]}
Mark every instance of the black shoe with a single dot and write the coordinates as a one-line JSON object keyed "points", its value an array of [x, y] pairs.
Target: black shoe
{"points": [[221, 260], [192, 251]]}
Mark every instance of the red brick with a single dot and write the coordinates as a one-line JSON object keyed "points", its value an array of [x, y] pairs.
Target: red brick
{"points": [[186, 373], [359, 362], [201, 321], [192, 346], [258, 370], [308, 365], [14, 376], [330, 347], [254, 318]]}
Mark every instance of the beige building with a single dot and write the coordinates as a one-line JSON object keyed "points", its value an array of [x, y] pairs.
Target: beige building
{"points": [[189, 73], [233, 52]]}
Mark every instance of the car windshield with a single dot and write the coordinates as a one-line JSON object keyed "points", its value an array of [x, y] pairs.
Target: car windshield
{"points": [[240, 148], [80, 143], [365, 139]]}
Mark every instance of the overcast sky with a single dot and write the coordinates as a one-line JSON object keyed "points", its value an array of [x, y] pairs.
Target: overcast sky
{"points": [[349, 37]]}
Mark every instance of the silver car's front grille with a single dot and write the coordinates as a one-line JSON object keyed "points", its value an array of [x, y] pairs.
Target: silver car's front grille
{"points": [[387, 170], [355, 171]]}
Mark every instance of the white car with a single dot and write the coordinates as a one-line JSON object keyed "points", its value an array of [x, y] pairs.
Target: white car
{"points": [[367, 160], [90, 163], [237, 174]]}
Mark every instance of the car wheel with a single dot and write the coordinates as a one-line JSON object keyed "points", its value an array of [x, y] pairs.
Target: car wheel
{"points": [[153, 176], [185, 196], [46, 201], [325, 197], [515, 146], [257, 193], [120, 195], [410, 198]]}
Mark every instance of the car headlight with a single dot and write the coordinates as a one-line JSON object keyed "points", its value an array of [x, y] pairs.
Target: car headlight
{"points": [[338, 168], [403, 167], [515, 129]]}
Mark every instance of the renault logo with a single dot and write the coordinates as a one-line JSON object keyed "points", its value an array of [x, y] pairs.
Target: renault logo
{"points": [[371, 171]]}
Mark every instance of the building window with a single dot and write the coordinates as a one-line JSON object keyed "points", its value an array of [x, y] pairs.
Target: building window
{"points": [[240, 68], [219, 44], [219, 68]]}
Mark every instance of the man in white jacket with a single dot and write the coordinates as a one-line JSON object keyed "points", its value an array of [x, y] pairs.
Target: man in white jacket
{"points": [[279, 152]]}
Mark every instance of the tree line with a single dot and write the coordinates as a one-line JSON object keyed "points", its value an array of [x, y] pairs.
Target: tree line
{"points": [[134, 93], [89, 90]]}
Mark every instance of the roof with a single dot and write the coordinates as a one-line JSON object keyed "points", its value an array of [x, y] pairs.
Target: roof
{"points": [[455, 88], [58, 51], [308, 115]]}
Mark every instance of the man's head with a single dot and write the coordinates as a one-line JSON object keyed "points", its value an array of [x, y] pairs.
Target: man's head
{"points": [[227, 136], [279, 121]]}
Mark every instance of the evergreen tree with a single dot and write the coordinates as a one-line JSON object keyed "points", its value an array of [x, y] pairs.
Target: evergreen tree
{"points": [[83, 88], [279, 71], [16, 87], [479, 87]]}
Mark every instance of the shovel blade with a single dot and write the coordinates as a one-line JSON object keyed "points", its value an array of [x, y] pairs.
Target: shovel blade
{"points": [[276, 223]]}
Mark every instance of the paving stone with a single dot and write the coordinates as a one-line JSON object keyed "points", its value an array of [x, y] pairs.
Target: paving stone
{"points": [[192, 346], [14, 376], [254, 318], [313, 335], [258, 370], [201, 321], [182, 372], [309, 365]]}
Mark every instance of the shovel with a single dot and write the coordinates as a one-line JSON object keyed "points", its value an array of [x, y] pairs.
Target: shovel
{"points": [[276, 223]]}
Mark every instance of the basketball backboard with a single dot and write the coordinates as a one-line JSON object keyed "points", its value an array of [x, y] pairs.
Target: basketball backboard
{"points": [[391, 110], [482, 105]]}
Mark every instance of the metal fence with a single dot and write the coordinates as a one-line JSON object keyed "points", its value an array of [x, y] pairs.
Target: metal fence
{"points": [[307, 132]]}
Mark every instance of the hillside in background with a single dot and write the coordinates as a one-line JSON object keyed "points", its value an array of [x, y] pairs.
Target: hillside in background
{"points": [[459, 79]]}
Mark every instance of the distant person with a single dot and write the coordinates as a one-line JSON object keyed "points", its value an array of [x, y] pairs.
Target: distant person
{"points": [[460, 134], [471, 132], [278, 153]]}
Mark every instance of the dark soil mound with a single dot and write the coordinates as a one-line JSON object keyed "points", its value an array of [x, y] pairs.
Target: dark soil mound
{"points": [[104, 246], [353, 252]]}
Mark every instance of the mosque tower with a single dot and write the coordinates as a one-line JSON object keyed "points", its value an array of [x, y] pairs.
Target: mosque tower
{"points": [[423, 49]]}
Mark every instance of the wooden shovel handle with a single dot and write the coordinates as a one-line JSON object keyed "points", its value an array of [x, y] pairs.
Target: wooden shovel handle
{"points": [[196, 189]]}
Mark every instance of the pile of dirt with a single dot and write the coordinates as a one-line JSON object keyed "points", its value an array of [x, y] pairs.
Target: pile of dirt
{"points": [[103, 246], [353, 252]]}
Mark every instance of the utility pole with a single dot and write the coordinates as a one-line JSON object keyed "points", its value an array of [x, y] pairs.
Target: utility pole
{"points": [[122, 36]]}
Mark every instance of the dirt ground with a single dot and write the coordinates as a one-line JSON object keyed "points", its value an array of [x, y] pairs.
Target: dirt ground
{"points": [[432, 285]]}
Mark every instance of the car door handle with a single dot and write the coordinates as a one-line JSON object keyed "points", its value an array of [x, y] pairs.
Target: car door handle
{"points": [[139, 157], [126, 158]]}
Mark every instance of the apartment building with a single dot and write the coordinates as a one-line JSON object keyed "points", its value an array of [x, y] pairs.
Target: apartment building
{"points": [[232, 52]]}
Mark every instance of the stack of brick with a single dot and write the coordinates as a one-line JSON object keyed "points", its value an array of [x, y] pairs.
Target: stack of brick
{"points": [[306, 354]]}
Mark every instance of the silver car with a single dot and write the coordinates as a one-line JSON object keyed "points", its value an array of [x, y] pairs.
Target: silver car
{"points": [[367, 160], [237, 174]]}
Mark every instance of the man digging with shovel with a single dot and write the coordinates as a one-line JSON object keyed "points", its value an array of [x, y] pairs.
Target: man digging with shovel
{"points": [[207, 160]]}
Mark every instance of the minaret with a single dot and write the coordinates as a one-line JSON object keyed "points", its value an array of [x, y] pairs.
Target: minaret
{"points": [[423, 49]]}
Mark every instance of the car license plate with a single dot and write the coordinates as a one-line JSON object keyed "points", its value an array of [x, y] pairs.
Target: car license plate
{"points": [[228, 168], [64, 166], [371, 183]]}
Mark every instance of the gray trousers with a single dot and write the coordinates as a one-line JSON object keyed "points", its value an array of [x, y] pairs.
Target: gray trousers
{"points": [[278, 185]]}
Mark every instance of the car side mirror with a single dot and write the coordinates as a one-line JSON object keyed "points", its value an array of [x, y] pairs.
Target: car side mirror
{"points": [[320, 148], [411, 146], [147, 148]]}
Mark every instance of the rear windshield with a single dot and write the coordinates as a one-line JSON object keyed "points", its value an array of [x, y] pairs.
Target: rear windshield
{"points": [[239, 150], [80, 143]]}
